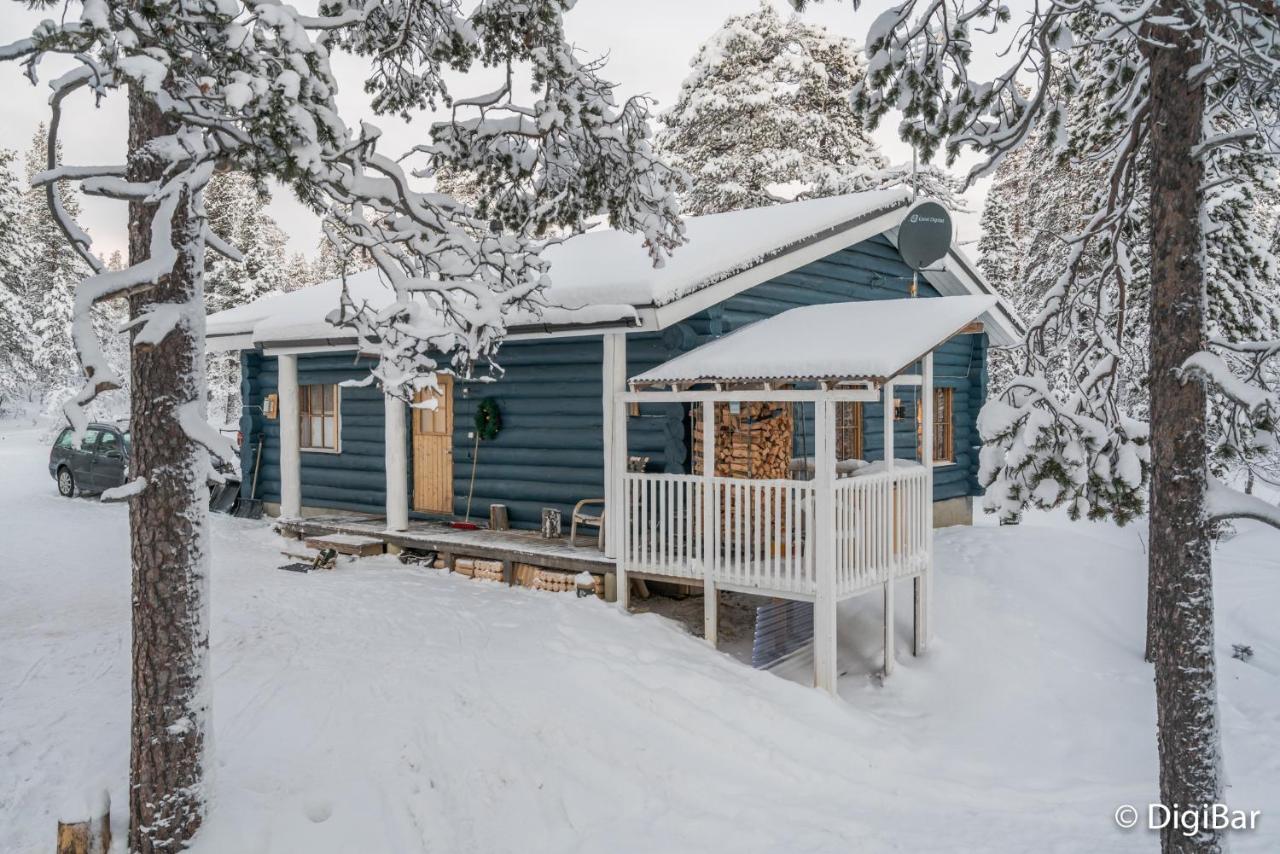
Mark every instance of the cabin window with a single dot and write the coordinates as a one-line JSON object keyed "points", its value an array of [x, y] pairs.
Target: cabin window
{"points": [[318, 414], [944, 436], [849, 430]]}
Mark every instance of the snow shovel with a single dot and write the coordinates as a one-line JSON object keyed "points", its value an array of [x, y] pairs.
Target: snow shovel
{"points": [[251, 507]]}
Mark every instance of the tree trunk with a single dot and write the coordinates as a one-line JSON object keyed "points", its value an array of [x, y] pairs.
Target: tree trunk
{"points": [[168, 533], [1181, 576]]}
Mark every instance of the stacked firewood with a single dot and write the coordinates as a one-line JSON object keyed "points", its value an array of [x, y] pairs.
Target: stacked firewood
{"points": [[754, 442]]}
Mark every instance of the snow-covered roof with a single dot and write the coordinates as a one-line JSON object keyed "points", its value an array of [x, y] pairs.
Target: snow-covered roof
{"points": [[605, 278], [300, 315], [871, 340], [608, 264]]}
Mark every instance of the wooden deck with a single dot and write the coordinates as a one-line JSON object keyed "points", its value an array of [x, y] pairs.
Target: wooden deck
{"points": [[510, 547]]}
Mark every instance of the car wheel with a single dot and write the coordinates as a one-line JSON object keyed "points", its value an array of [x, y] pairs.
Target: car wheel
{"points": [[66, 483]]}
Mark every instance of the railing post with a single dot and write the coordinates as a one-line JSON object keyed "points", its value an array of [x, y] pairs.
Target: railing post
{"points": [[710, 510], [889, 521], [924, 581], [824, 531]]}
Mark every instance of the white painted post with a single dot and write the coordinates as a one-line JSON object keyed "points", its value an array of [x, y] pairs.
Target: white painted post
{"points": [[889, 520], [290, 455], [613, 380], [396, 455], [710, 509], [924, 581], [824, 530], [619, 515]]}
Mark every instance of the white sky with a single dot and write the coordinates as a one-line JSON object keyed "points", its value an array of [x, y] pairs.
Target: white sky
{"points": [[649, 47]]}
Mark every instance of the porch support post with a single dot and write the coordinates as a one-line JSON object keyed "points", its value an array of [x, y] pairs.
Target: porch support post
{"points": [[891, 521], [613, 381], [397, 462], [824, 529], [924, 581], [617, 513], [290, 456], [710, 512]]}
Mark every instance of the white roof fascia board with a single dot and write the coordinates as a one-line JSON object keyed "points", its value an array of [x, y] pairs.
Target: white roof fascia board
{"points": [[305, 349], [229, 343]]}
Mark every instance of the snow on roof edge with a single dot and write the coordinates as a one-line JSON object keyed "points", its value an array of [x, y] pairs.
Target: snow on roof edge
{"points": [[813, 342]]}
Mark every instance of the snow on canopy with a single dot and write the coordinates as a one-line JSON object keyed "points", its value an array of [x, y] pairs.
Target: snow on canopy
{"points": [[872, 340], [600, 277]]}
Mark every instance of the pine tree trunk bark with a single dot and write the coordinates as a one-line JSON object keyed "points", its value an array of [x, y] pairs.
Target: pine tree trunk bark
{"points": [[1181, 577], [168, 533]]}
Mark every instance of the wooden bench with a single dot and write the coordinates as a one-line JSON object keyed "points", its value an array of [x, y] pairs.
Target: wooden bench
{"points": [[348, 544]]}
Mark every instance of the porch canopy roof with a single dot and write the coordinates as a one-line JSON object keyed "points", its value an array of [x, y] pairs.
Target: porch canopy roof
{"points": [[871, 341]]}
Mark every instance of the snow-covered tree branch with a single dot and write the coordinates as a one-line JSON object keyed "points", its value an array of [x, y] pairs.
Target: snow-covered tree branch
{"points": [[1182, 99], [245, 87], [249, 87]]}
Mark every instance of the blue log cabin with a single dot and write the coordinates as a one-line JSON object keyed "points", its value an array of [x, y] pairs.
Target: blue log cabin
{"points": [[610, 316]]}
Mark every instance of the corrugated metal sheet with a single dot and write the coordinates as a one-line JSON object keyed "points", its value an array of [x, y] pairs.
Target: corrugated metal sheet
{"points": [[782, 628]]}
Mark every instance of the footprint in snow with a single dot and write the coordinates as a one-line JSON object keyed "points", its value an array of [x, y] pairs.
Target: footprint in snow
{"points": [[317, 809]]}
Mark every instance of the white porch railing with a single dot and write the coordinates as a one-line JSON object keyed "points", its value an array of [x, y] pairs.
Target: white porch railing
{"points": [[883, 522], [762, 535]]}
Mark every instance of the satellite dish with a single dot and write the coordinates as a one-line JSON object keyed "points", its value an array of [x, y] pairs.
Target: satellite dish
{"points": [[925, 235]]}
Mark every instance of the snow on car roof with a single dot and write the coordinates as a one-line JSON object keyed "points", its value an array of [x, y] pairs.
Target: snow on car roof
{"points": [[874, 339], [597, 277]]}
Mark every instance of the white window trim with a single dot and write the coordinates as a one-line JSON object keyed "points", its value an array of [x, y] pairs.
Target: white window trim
{"points": [[337, 422]]}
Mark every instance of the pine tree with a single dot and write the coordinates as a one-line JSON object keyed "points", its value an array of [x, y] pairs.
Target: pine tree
{"points": [[16, 332], [299, 272], [236, 207], [1041, 200], [265, 104], [764, 116], [49, 286], [1186, 113]]}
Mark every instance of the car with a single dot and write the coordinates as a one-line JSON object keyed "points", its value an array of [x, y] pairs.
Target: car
{"points": [[98, 462]]}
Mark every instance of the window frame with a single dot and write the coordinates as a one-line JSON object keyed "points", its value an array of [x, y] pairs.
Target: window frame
{"points": [[849, 417], [944, 425], [305, 414]]}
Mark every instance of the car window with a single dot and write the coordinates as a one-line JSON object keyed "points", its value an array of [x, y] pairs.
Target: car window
{"points": [[90, 439], [110, 441], [65, 437]]}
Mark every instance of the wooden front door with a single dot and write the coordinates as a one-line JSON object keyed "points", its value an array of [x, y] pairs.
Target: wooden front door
{"points": [[433, 452]]}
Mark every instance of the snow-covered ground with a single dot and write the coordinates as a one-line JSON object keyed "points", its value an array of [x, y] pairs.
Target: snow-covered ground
{"points": [[383, 709]]}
